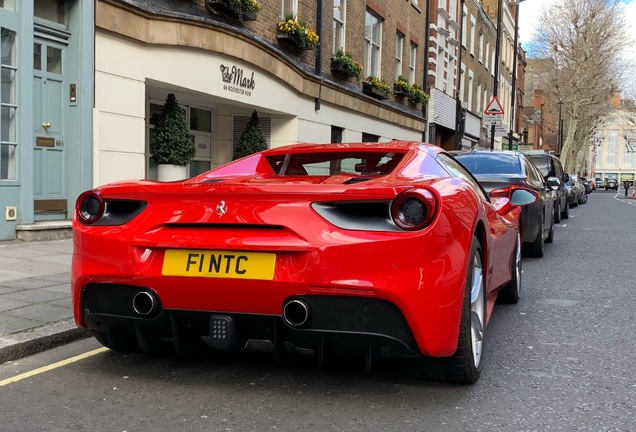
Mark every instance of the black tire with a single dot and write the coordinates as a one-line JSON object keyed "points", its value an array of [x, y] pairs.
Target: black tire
{"points": [[565, 214], [510, 293], [557, 213], [584, 200], [536, 248], [550, 237], [463, 367]]}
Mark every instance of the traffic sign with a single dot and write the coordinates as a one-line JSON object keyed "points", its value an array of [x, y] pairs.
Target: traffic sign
{"points": [[494, 107], [493, 119]]}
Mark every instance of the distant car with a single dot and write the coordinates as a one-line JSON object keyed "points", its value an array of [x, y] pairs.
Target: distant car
{"points": [[611, 184], [599, 183], [500, 172], [550, 166], [578, 188], [368, 250], [587, 185]]}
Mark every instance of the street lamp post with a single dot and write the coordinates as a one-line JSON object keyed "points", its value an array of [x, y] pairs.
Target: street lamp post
{"points": [[560, 135]]}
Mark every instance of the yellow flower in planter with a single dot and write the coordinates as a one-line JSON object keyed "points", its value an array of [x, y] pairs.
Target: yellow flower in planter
{"points": [[379, 84], [299, 31]]}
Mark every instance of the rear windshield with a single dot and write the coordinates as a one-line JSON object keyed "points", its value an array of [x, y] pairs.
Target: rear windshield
{"points": [[490, 163], [542, 165], [333, 163]]}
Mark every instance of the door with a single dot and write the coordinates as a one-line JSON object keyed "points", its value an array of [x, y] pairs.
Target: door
{"points": [[50, 154]]}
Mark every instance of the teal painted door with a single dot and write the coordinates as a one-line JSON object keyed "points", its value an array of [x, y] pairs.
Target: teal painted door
{"points": [[50, 151]]}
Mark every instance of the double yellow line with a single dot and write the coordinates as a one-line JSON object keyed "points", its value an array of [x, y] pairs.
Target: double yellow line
{"points": [[50, 367]]}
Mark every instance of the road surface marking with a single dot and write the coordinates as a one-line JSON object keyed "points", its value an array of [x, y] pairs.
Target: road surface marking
{"points": [[51, 367]]}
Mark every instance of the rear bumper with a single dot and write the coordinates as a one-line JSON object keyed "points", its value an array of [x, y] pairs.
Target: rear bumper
{"points": [[338, 325]]}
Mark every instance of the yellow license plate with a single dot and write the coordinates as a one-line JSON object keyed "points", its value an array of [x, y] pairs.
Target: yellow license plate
{"points": [[219, 264]]}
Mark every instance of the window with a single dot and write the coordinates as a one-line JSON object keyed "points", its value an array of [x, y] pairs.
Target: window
{"points": [[289, 7], [336, 134], [367, 137], [51, 10], [470, 90], [399, 49], [472, 35], [611, 148], [8, 4], [373, 42], [8, 106], [487, 54], [412, 63], [478, 104], [464, 26], [481, 48], [338, 25]]}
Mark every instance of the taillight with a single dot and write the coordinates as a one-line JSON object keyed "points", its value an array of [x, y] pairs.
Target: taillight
{"points": [[414, 209], [89, 207]]}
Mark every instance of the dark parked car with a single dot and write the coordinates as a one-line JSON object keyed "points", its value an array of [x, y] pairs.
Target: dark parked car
{"points": [[578, 190], [499, 173], [550, 166], [587, 185], [611, 184]]}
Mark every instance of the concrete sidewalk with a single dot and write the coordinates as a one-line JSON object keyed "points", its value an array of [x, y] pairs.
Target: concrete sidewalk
{"points": [[35, 297]]}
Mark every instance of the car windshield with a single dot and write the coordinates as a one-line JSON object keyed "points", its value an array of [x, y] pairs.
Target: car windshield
{"points": [[542, 165], [333, 163], [487, 163]]}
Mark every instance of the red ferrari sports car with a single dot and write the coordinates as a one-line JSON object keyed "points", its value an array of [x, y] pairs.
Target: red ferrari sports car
{"points": [[376, 250]]}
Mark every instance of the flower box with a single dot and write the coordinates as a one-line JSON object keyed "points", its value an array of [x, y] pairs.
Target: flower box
{"points": [[338, 67], [286, 38], [399, 90], [375, 92], [224, 7]]}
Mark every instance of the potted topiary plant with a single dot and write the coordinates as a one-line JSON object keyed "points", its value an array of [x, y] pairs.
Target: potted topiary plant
{"points": [[252, 139], [171, 146]]}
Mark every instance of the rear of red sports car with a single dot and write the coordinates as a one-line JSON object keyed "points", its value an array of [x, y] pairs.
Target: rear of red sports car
{"points": [[258, 255]]}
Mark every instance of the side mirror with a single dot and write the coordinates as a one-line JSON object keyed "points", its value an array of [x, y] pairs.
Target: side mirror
{"points": [[519, 197], [554, 183]]}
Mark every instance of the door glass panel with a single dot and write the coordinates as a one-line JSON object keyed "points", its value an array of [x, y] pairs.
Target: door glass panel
{"points": [[7, 90], [8, 4], [8, 162], [7, 123], [37, 56], [8, 47], [52, 10], [54, 60]]}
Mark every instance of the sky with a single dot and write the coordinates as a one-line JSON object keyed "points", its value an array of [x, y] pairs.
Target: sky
{"points": [[529, 11]]}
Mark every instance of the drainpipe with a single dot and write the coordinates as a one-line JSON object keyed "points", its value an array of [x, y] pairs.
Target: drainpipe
{"points": [[459, 116], [318, 64], [427, 36]]}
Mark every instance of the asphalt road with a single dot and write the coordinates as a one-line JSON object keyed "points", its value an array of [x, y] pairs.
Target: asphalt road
{"points": [[563, 359]]}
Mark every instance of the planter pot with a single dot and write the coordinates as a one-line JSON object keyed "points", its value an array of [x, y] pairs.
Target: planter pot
{"points": [[221, 7], [287, 39], [398, 90], [290, 40], [339, 68], [375, 92], [166, 172]]}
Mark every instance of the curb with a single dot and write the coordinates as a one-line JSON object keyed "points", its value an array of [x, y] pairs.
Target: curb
{"points": [[18, 345]]}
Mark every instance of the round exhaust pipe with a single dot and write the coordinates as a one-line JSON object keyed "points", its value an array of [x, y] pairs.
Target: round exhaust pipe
{"points": [[145, 303], [296, 312]]}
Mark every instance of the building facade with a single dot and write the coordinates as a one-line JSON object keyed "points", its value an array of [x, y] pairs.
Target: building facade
{"points": [[46, 102], [84, 82]]}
